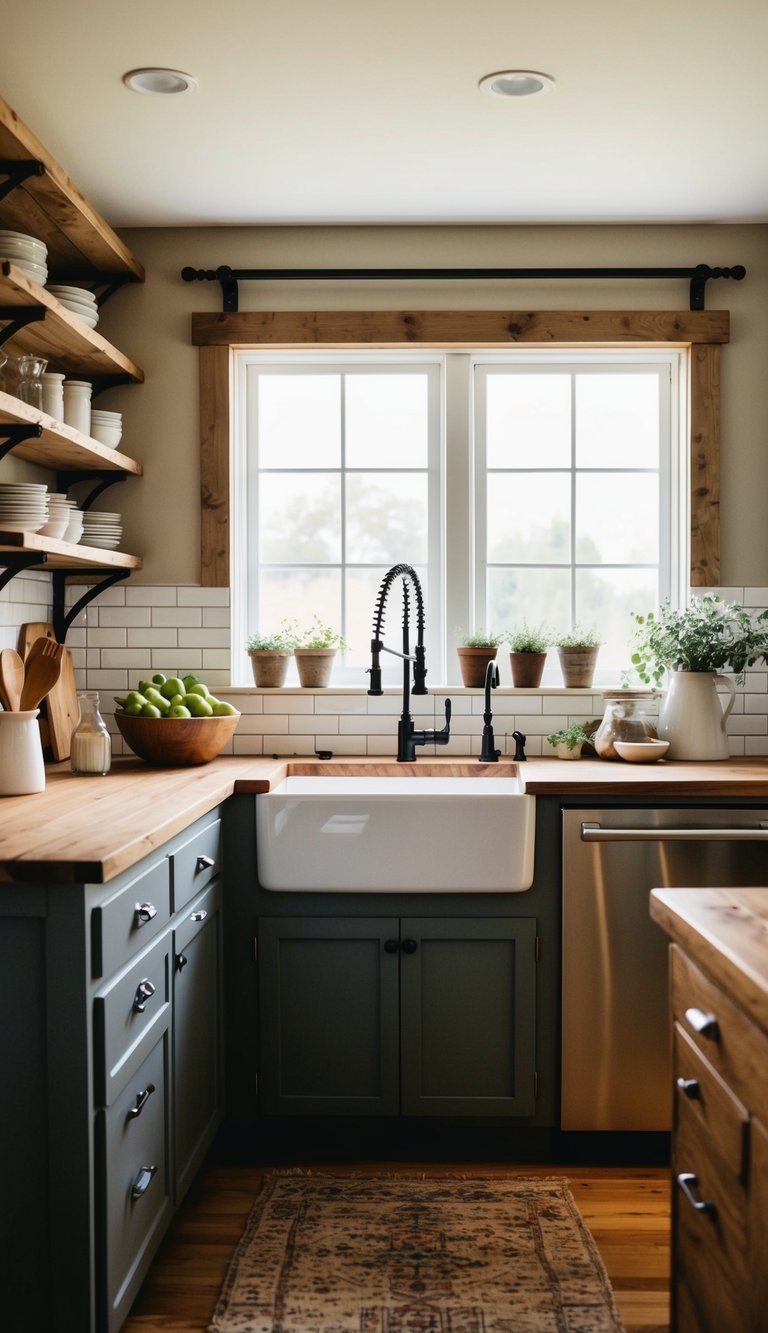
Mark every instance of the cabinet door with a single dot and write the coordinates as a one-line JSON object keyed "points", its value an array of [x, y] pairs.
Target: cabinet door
{"points": [[197, 1078], [328, 992], [468, 1002]]}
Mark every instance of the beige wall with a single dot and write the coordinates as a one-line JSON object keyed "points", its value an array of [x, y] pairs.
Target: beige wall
{"points": [[152, 324]]}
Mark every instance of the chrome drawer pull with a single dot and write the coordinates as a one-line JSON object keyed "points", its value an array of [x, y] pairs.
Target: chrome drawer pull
{"points": [[143, 913], [204, 863], [143, 1181], [198, 916], [144, 991], [704, 1024], [686, 1180], [141, 1100], [690, 1087]]}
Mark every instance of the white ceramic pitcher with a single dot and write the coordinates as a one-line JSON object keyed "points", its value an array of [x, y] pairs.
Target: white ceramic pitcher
{"points": [[692, 717], [21, 754]]}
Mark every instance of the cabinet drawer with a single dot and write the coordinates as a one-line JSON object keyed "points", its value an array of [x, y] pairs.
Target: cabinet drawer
{"points": [[732, 1044], [710, 1246], [135, 914], [195, 863], [718, 1115], [128, 1015], [134, 1177]]}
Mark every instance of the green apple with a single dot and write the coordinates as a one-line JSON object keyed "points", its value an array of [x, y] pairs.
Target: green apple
{"points": [[190, 680], [222, 709], [179, 711], [198, 688], [173, 685], [198, 707], [158, 679], [149, 710]]}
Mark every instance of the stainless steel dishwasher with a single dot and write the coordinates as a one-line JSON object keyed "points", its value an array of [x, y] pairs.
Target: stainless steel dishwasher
{"points": [[616, 1068]]}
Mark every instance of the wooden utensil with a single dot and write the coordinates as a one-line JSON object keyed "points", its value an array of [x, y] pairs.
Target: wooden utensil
{"points": [[12, 678], [61, 705], [41, 672], [29, 634]]}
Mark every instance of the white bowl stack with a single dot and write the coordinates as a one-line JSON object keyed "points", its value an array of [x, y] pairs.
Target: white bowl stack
{"points": [[27, 253], [106, 427], [23, 506], [59, 515], [102, 529], [79, 301]]}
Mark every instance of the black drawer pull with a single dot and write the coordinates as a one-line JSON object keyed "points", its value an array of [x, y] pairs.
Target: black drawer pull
{"points": [[687, 1181], [144, 991], [409, 946], [141, 1100], [199, 916], [690, 1087], [143, 1181], [143, 913], [181, 962], [204, 863], [704, 1024], [391, 946]]}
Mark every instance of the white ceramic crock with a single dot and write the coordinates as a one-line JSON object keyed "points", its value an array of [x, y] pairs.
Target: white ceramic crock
{"points": [[22, 770]]}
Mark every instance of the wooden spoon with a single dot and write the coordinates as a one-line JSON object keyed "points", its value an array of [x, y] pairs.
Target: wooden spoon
{"points": [[11, 679], [42, 672]]}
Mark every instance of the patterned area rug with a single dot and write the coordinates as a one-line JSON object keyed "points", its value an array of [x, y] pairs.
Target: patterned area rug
{"points": [[401, 1254]]}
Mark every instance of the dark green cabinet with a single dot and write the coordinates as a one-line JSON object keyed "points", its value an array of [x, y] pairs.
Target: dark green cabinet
{"points": [[197, 1064], [386, 1015]]}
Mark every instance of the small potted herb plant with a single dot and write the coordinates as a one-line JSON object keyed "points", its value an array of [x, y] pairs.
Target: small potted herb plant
{"points": [[475, 651], [578, 651], [270, 655], [315, 652], [527, 654], [569, 740]]}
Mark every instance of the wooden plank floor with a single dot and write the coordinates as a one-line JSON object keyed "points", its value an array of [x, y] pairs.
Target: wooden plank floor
{"points": [[626, 1209]]}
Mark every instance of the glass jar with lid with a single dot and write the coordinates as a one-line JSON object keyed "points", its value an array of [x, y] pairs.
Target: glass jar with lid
{"points": [[629, 715]]}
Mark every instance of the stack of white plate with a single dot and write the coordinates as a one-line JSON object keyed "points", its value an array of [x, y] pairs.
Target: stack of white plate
{"points": [[106, 427], [79, 301], [27, 253], [59, 516], [23, 506], [101, 529]]}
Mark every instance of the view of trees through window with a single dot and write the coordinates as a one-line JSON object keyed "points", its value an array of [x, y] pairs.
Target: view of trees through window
{"points": [[561, 469]]}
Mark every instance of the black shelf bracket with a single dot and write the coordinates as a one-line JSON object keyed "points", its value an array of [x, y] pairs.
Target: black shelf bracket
{"points": [[13, 433], [17, 317], [17, 172], [16, 562], [105, 480], [63, 619], [102, 382], [228, 278]]}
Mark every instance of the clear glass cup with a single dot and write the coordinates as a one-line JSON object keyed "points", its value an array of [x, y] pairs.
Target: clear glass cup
{"points": [[91, 745], [30, 388]]}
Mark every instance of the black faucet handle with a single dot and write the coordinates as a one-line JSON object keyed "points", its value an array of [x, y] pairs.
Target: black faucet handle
{"points": [[519, 740], [447, 712]]}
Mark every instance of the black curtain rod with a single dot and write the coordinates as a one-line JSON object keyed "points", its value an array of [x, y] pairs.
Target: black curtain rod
{"points": [[228, 278]]}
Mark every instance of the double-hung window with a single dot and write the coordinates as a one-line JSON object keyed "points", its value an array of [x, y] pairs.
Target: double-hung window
{"points": [[539, 486]]}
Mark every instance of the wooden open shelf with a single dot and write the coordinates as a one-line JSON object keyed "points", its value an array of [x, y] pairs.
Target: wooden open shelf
{"points": [[60, 337], [60, 447], [65, 555], [51, 208]]}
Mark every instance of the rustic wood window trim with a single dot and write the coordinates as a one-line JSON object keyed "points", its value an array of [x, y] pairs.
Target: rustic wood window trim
{"points": [[702, 332]]}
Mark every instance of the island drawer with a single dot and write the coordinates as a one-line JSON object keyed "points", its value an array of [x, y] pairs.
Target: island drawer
{"points": [[135, 1179], [726, 1037], [136, 913], [195, 863], [128, 1016]]}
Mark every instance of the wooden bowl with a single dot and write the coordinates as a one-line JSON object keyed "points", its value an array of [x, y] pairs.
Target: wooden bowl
{"points": [[176, 742]]}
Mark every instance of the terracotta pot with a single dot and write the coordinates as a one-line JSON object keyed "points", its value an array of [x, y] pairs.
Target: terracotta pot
{"points": [[578, 666], [473, 663], [270, 666], [314, 666], [527, 669]]}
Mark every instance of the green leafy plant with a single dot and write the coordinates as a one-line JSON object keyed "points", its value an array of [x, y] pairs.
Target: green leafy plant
{"points": [[708, 635], [527, 640], [479, 638], [571, 736], [321, 636], [578, 637], [283, 640]]}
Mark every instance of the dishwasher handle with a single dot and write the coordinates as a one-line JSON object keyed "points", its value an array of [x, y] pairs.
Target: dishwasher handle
{"points": [[747, 833]]}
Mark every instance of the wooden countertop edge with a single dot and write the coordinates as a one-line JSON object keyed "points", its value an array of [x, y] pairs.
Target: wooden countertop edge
{"points": [[90, 829], [725, 931]]}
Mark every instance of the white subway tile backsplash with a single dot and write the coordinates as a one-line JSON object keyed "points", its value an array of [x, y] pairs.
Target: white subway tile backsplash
{"points": [[145, 637], [215, 616], [119, 614], [146, 595], [99, 638], [177, 616], [204, 638], [195, 596], [214, 659], [288, 703]]}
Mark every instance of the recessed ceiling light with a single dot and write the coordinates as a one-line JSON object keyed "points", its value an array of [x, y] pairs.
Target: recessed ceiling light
{"points": [[164, 81], [516, 83]]}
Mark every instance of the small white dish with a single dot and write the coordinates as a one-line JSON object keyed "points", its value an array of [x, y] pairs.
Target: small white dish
{"points": [[641, 752]]}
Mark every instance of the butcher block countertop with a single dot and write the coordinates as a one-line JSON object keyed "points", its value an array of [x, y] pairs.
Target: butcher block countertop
{"points": [[726, 932], [88, 829]]}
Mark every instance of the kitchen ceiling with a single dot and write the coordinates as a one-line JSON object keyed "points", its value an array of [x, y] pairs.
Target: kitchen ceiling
{"points": [[346, 112]]}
